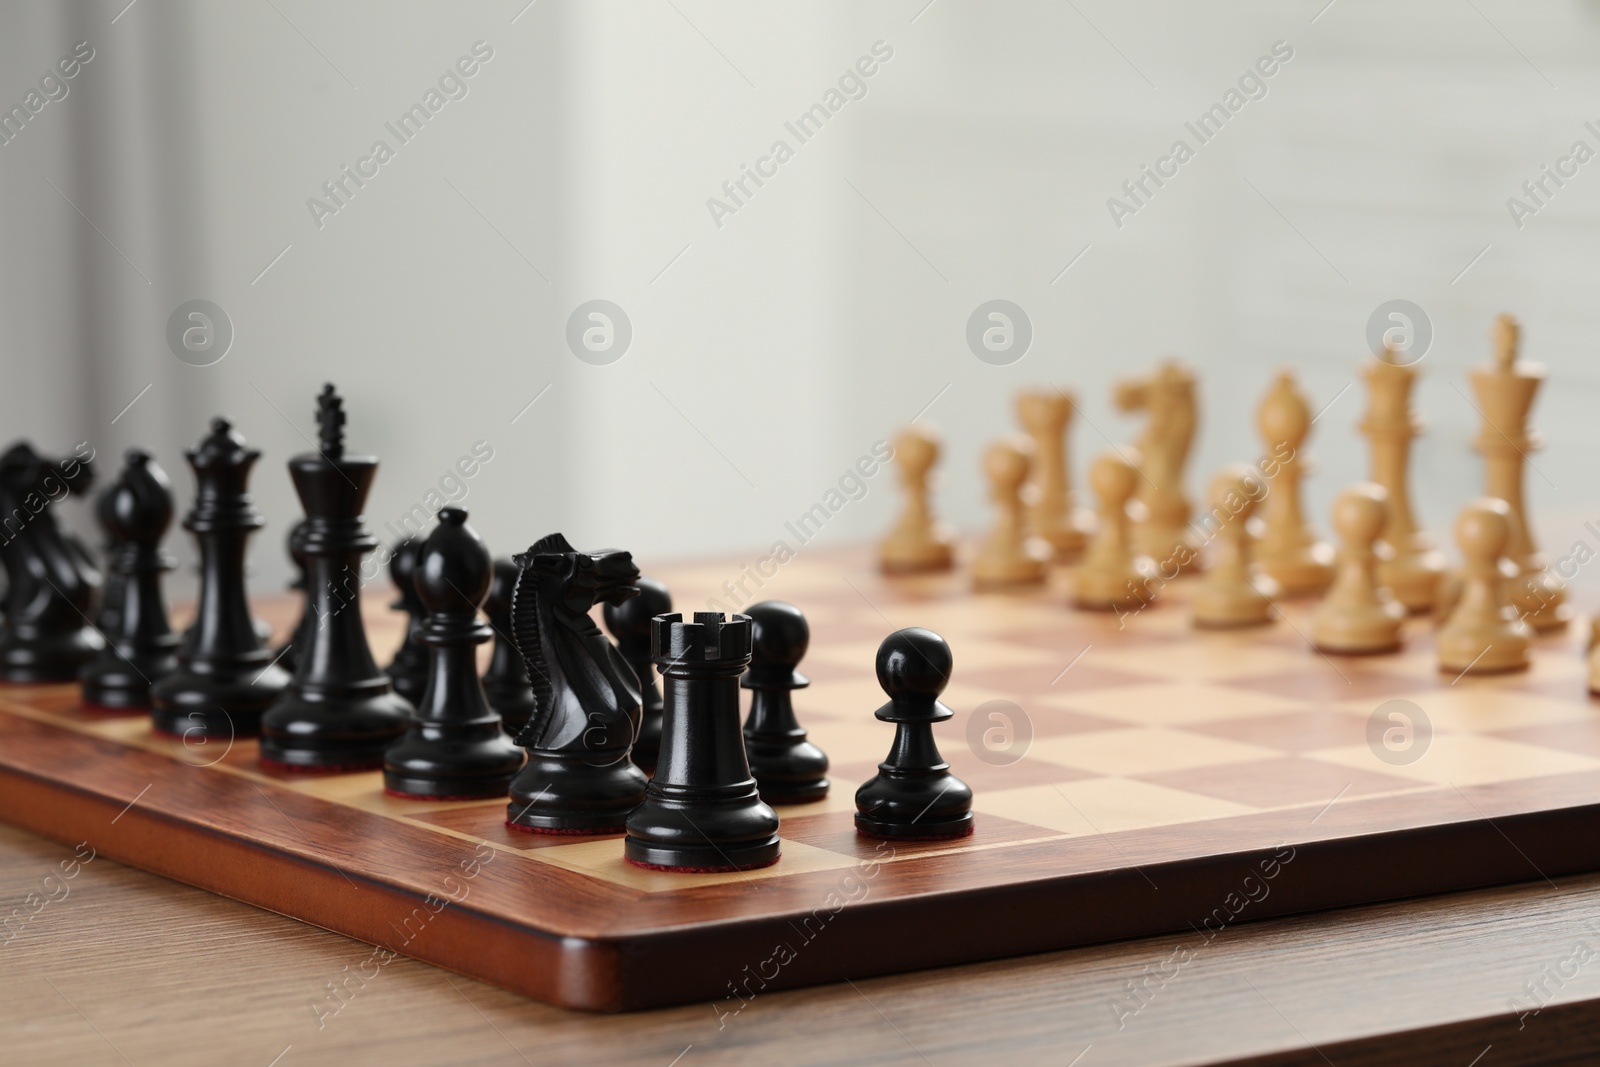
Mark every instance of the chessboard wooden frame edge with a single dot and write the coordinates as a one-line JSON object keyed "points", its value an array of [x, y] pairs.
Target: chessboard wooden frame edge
{"points": [[626, 972]]}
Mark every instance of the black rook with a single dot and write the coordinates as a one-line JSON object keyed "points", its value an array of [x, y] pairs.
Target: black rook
{"points": [[701, 811]]}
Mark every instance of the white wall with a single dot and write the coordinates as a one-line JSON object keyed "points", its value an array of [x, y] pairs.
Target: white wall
{"points": [[832, 306]]}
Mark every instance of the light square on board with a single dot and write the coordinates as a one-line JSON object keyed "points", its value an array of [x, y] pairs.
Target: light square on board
{"points": [[1104, 805], [1206, 658], [1465, 759], [1554, 663], [1173, 703], [603, 859], [1143, 750], [1480, 709], [1282, 783], [365, 791]]}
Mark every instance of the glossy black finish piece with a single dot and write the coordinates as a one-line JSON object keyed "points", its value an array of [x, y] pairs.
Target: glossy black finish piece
{"points": [[339, 711], [914, 795], [137, 511], [408, 671], [288, 653], [51, 587], [506, 682], [578, 778], [454, 747], [701, 811], [788, 769], [111, 587], [225, 677], [629, 623]]}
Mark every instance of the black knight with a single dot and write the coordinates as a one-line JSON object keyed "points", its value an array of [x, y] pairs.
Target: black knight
{"points": [[578, 778]]}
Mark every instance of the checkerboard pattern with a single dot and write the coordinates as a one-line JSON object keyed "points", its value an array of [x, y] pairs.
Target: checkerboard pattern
{"points": [[1106, 726]]}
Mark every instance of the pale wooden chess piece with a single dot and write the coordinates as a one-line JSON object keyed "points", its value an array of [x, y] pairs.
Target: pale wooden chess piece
{"points": [[1288, 549], [1414, 571], [1594, 656], [1008, 556], [918, 541], [1053, 515], [1484, 634], [1113, 576], [1505, 392], [1161, 514], [1231, 594], [1359, 616]]}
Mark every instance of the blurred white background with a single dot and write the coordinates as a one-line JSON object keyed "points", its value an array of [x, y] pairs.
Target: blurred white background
{"points": [[769, 353]]}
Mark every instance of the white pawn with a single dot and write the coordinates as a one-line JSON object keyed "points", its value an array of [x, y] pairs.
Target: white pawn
{"points": [[1483, 634], [1113, 577], [1008, 556], [1359, 617], [1231, 595]]}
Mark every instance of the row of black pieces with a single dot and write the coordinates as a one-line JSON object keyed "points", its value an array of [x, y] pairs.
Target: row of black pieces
{"points": [[225, 682], [706, 809], [338, 713]]}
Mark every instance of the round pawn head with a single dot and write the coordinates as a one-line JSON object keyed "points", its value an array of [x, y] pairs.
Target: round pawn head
{"points": [[1042, 410], [1482, 530], [453, 566], [1113, 476], [403, 572], [1234, 492], [139, 506], [1006, 465], [916, 448], [1360, 512], [1284, 414], [779, 637], [629, 621], [913, 668]]}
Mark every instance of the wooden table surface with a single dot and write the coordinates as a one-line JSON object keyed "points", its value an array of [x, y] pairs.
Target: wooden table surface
{"points": [[128, 968]]}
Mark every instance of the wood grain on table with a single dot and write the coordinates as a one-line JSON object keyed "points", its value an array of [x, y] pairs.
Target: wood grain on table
{"points": [[123, 967]]}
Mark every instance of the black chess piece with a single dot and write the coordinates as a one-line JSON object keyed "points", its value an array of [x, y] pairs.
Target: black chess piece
{"points": [[287, 655], [506, 682], [339, 711], [111, 589], [701, 811], [225, 677], [51, 587], [578, 778], [788, 769], [629, 623], [914, 796], [454, 748], [408, 671], [142, 647]]}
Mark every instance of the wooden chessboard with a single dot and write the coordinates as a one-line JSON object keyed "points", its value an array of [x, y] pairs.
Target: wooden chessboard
{"points": [[1174, 779]]}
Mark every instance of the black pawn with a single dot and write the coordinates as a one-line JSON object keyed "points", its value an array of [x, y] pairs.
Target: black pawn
{"points": [[506, 682], [225, 677], [136, 510], [629, 623], [788, 769], [408, 671], [51, 586], [455, 748], [339, 711], [701, 811], [914, 796], [287, 655]]}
